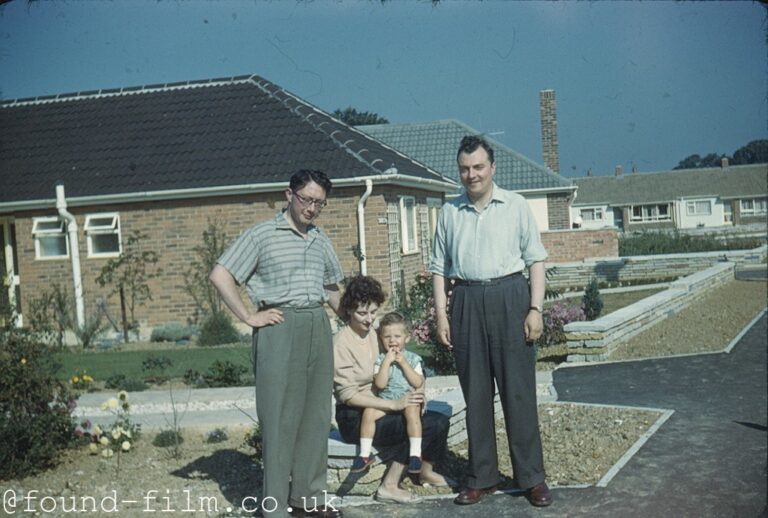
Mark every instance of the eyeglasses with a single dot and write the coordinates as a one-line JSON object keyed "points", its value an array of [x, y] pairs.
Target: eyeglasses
{"points": [[306, 202]]}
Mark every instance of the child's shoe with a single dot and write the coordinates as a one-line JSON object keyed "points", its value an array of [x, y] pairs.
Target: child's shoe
{"points": [[414, 464], [362, 463]]}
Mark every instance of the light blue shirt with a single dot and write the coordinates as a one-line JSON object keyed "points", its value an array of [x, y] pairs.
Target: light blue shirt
{"points": [[397, 383], [499, 240]]}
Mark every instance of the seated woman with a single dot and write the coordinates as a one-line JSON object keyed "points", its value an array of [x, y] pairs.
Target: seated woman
{"points": [[356, 348]]}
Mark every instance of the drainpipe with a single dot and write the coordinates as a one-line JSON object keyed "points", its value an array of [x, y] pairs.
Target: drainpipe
{"points": [[361, 226], [74, 247]]}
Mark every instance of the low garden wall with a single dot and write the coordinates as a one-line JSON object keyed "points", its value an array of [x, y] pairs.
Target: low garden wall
{"points": [[644, 269], [594, 341]]}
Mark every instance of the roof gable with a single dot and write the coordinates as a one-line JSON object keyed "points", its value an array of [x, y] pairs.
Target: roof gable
{"points": [[184, 136], [665, 186], [435, 144]]}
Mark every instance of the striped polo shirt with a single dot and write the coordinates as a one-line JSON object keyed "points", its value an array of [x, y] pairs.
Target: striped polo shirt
{"points": [[279, 267]]}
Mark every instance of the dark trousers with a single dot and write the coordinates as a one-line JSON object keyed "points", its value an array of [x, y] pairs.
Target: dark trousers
{"points": [[489, 344], [293, 365], [391, 437]]}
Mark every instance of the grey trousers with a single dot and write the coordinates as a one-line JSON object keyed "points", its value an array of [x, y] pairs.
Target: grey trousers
{"points": [[293, 366], [489, 344]]}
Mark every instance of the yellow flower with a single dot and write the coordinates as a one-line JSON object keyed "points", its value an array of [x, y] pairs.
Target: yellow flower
{"points": [[128, 433], [23, 361], [106, 452], [109, 404], [122, 395], [115, 434], [97, 430], [93, 449], [87, 378], [126, 446], [75, 380], [104, 441]]}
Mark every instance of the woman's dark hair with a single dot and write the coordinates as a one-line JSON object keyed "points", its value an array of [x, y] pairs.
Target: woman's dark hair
{"points": [[303, 176], [360, 290]]}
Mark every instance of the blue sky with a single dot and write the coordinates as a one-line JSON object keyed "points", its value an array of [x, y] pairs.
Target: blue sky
{"points": [[643, 83]]}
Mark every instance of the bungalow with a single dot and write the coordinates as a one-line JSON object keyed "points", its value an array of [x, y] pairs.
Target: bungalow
{"points": [[435, 144], [165, 160], [720, 198]]}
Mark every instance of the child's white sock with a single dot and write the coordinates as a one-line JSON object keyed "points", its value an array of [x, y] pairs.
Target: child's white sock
{"points": [[365, 446], [415, 446]]}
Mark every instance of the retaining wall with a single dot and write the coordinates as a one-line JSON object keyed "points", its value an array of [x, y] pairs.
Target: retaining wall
{"points": [[596, 339], [641, 269]]}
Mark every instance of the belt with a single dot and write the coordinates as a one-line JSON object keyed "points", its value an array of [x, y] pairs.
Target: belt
{"points": [[487, 282]]}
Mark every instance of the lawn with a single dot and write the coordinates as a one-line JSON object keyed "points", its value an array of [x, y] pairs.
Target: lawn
{"points": [[103, 364]]}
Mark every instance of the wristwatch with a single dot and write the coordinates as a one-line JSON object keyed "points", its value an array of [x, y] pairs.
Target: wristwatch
{"points": [[536, 308]]}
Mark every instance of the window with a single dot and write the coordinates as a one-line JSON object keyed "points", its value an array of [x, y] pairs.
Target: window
{"points": [[433, 211], [408, 224], [591, 214], [648, 213], [754, 207], [103, 232], [727, 212], [50, 238], [698, 208]]}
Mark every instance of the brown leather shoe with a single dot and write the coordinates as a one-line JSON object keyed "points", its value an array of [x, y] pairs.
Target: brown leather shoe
{"points": [[539, 495], [473, 495]]}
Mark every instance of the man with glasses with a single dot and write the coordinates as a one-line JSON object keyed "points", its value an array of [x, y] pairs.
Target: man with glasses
{"points": [[290, 270]]}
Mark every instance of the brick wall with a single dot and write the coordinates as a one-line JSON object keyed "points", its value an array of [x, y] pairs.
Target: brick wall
{"points": [[558, 209], [566, 246], [174, 228]]}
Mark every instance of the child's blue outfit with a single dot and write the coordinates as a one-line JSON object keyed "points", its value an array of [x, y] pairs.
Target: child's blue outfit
{"points": [[397, 384]]}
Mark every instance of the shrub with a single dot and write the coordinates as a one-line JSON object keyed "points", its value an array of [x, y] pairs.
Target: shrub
{"points": [[167, 439], [120, 382], [173, 332], [217, 329], [592, 301], [254, 440], [35, 406], [193, 378], [216, 436], [224, 374], [154, 367], [652, 243], [555, 318]]}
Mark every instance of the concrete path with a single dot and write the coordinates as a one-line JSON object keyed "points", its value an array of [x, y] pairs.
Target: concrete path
{"points": [[707, 460]]}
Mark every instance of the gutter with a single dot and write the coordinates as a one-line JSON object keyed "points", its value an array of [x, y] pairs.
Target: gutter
{"points": [[361, 226], [74, 247], [446, 186]]}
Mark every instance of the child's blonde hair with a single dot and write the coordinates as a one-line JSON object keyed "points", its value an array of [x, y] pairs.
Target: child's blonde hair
{"points": [[392, 318]]}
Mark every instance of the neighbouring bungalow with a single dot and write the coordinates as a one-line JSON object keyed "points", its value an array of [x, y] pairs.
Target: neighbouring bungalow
{"points": [[168, 159], [711, 199], [435, 144]]}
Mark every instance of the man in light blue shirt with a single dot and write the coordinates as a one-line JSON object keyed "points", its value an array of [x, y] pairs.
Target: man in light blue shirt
{"points": [[485, 239]]}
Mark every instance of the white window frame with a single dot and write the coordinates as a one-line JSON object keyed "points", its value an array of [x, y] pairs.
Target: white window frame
{"points": [[433, 213], [38, 233], [405, 222], [696, 208], [91, 229], [597, 214], [650, 213], [754, 210]]}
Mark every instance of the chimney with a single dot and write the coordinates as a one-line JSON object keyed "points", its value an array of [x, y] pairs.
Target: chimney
{"points": [[724, 162], [618, 170], [547, 107]]}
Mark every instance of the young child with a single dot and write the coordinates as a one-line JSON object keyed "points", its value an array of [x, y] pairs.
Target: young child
{"points": [[396, 372]]}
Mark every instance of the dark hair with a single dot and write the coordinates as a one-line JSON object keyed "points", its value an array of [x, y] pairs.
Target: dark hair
{"points": [[394, 318], [360, 291], [471, 143], [303, 176]]}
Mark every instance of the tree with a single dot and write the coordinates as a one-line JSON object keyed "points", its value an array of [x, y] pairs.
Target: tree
{"points": [[697, 162], [756, 152], [355, 118], [129, 274], [196, 283]]}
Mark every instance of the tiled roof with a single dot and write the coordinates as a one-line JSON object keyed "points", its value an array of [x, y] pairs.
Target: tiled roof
{"points": [[435, 144], [638, 188], [194, 135]]}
